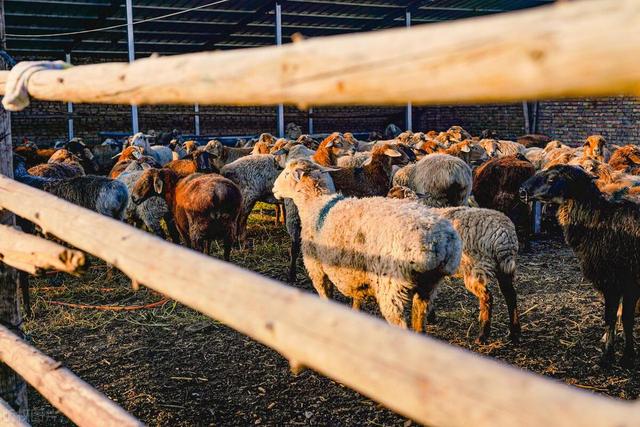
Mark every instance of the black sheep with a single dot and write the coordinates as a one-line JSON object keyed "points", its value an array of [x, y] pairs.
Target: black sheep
{"points": [[604, 233]]}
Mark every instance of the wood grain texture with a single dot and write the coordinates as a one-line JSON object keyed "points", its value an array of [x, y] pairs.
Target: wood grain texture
{"points": [[34, 254], [563, 50], [84, 405], [427, 380]]}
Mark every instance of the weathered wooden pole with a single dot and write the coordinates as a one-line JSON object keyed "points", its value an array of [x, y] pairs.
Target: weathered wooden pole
{"points": [[13, 389]]}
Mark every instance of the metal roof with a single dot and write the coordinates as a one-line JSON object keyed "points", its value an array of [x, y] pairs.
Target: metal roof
{"points": [[228, 25]]}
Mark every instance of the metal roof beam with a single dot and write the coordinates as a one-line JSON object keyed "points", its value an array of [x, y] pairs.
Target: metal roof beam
{"points": [[96, 22]]}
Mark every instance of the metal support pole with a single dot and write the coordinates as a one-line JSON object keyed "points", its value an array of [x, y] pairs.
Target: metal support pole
{"points": [[279, 43], [69, 107], [132, 57], [409, 113], [525, 112], [196, 109], [310, 121]]}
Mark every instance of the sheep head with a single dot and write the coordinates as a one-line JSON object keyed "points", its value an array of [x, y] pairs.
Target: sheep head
{"points": [[153, 182], [594, 146], [338, 145], [303, 178], [559, 184]]}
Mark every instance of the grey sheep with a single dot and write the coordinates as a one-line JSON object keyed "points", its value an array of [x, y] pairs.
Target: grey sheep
{"points": [[447, 179]]}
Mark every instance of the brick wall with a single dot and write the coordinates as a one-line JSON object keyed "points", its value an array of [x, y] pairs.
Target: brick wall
{"points": [[573, 120], [569, 120]]}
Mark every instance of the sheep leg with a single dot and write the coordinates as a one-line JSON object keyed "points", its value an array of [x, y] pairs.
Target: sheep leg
{"points": [[172, 229], [628, 316], [277, 207], [611, 301], [478, 287], [320, 281], [294, 253], [419, 307], [506, 287], [228, 243], [356, 303], [392, 307]]}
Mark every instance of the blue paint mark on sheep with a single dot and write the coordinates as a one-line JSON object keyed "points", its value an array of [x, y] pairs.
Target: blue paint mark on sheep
{"points": [[325, 210]]}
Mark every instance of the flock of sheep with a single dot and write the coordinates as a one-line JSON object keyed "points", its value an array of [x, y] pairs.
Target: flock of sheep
{"points": [[387, 219]]}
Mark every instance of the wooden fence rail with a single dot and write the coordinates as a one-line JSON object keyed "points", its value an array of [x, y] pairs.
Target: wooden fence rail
{"points": [[569, 49], [34, 254], [9, 417], [75, 398], [429, 381]]}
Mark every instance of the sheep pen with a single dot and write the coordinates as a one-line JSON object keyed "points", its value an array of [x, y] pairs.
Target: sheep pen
{"points": [[169, 365]]}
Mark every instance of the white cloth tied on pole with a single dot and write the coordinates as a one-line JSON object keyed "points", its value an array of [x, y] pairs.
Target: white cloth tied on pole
{"points": [[16, 96]]}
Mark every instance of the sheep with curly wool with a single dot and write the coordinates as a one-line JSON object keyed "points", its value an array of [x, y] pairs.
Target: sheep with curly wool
{"points": [[446, 178], [254, 175], [391, 250], [100, 194], [489, 256], [160, 153]]}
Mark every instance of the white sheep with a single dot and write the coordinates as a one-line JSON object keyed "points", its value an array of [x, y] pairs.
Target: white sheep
{"points": [[489, 257], [160, 153], [388, 249]]}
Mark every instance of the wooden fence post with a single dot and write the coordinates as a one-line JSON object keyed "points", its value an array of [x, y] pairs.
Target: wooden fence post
{"points": [[13, 389]]}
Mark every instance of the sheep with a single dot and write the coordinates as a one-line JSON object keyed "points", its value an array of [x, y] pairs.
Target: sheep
{"points": [[626, 159], [447, 179], [262, 147], [308, 142], [372, 179], [204, 206], [388, 249], [604, 235], [499, 148], [33, 155], [496, 185], [100, 194], [57, 170], [610, 180], [150, 212], [472, 154], [222, 155], [595, 147], [254, 175], [160, 153], [77, 147], [333, 147], [134, 157], [489, 252], [189, 146], [103, 155], [198, 161], [533, 140]]}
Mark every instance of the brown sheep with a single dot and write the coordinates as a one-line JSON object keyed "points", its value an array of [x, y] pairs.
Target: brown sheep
{"points": [[198, 162], [122, 165], [372, 179], [466, 150], [331, 148], [496, 186], [34, 155], [204, 206], [626, 159], [533, 140], [595, 147]]}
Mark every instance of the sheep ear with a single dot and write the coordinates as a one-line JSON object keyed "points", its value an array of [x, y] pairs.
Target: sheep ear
{"points": [[297, 174], [465, 149], [280, 152], [392, 153], [498, 151], [158, 184], [368, 161], [136, 154], [117, 155], [327, 170], [330, 144]]}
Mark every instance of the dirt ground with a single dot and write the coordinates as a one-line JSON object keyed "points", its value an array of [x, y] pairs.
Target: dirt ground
{"points": [[171, 366]]}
